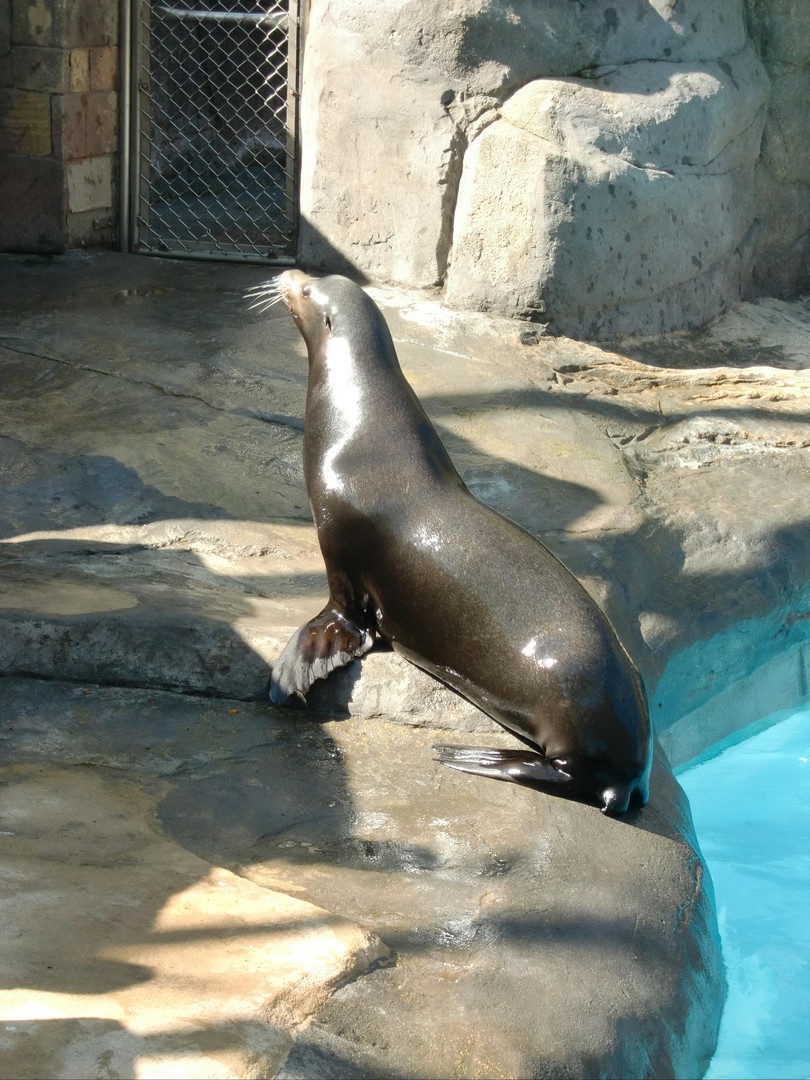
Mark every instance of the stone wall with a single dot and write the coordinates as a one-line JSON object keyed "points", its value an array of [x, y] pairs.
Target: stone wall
{"points": [[603, 168], [58, 123], [780, 30]]}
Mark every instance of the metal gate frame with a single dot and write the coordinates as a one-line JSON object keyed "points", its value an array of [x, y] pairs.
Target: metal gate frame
{"points": [[132, 205]]}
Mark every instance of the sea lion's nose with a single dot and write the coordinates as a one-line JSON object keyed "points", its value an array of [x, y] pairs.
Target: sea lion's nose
{"points": [[292, 282]]}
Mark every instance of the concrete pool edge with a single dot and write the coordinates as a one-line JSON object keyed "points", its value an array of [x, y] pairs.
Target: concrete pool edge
{"points": [[754, 668]]}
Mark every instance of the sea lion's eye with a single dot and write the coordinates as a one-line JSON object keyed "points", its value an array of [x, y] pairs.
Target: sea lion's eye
{"points": [[305, 292]]}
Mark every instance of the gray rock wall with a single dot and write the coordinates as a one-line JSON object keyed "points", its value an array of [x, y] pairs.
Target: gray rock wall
{"points": [[780, 30], [607, 169]]}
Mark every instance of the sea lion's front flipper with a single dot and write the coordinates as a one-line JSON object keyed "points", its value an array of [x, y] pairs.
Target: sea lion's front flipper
{"points": [[328, 641]]}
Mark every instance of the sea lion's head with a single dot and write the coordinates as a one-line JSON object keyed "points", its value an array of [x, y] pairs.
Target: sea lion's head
{"points": [[327, 311], [310, 304]]}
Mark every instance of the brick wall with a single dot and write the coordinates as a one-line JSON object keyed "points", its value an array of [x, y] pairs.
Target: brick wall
{"points": [[58, 123]]}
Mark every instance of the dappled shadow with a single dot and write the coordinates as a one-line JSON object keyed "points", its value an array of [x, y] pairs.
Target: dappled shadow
{"points": [[135, 923], [46, 492], [329, 1058], [700, 350], [318, 255], [511, 37], [632, 413], [776, 331], [85, 1045]]}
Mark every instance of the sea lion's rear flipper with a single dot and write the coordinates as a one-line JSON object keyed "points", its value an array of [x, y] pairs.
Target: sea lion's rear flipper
{"points": [[517, 766], [328, 641], [534, 770]]}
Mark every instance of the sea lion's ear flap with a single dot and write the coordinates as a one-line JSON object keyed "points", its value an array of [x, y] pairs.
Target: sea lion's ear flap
{"points": [[328, 641]]}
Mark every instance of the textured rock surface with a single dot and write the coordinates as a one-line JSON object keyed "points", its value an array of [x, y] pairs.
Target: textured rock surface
{"points": [[781, 32], [152, 957], [155, 537], [248, 862], [589, 166], [632, 191]]}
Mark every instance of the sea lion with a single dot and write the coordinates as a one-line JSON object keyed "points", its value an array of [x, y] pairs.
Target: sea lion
{"points": [[414, 558]]}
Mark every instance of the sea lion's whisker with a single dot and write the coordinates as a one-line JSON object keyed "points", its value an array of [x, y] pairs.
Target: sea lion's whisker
{"points": [[271, 285], [263, 302], [265, 294]]}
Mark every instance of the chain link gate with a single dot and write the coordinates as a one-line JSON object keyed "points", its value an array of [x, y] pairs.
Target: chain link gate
{"points": [[210, 126]]}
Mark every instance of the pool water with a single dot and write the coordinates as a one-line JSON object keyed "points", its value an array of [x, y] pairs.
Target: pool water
{"points": [[751, 806]]}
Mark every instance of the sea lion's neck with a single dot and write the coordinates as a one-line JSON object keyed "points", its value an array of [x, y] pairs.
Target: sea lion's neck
{"points": [[362, 412]]}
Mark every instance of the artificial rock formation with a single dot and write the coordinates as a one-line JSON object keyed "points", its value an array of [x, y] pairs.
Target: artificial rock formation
{"points": [[781, 33], [305, 893], [633, 194], [599, 168]]}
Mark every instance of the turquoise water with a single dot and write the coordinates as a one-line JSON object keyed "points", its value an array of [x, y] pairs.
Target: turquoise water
{"points": [[751, 806]]}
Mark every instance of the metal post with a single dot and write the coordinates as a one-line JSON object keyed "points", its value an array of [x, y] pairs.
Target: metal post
{"points": [[291, 185], [135, 122], [124, 107]]}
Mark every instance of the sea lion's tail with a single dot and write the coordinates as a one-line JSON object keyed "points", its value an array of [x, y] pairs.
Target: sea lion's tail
{"points": [[532, 770]]}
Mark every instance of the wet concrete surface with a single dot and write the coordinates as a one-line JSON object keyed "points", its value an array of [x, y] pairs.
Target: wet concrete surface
{"points": [[191, 879]]}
